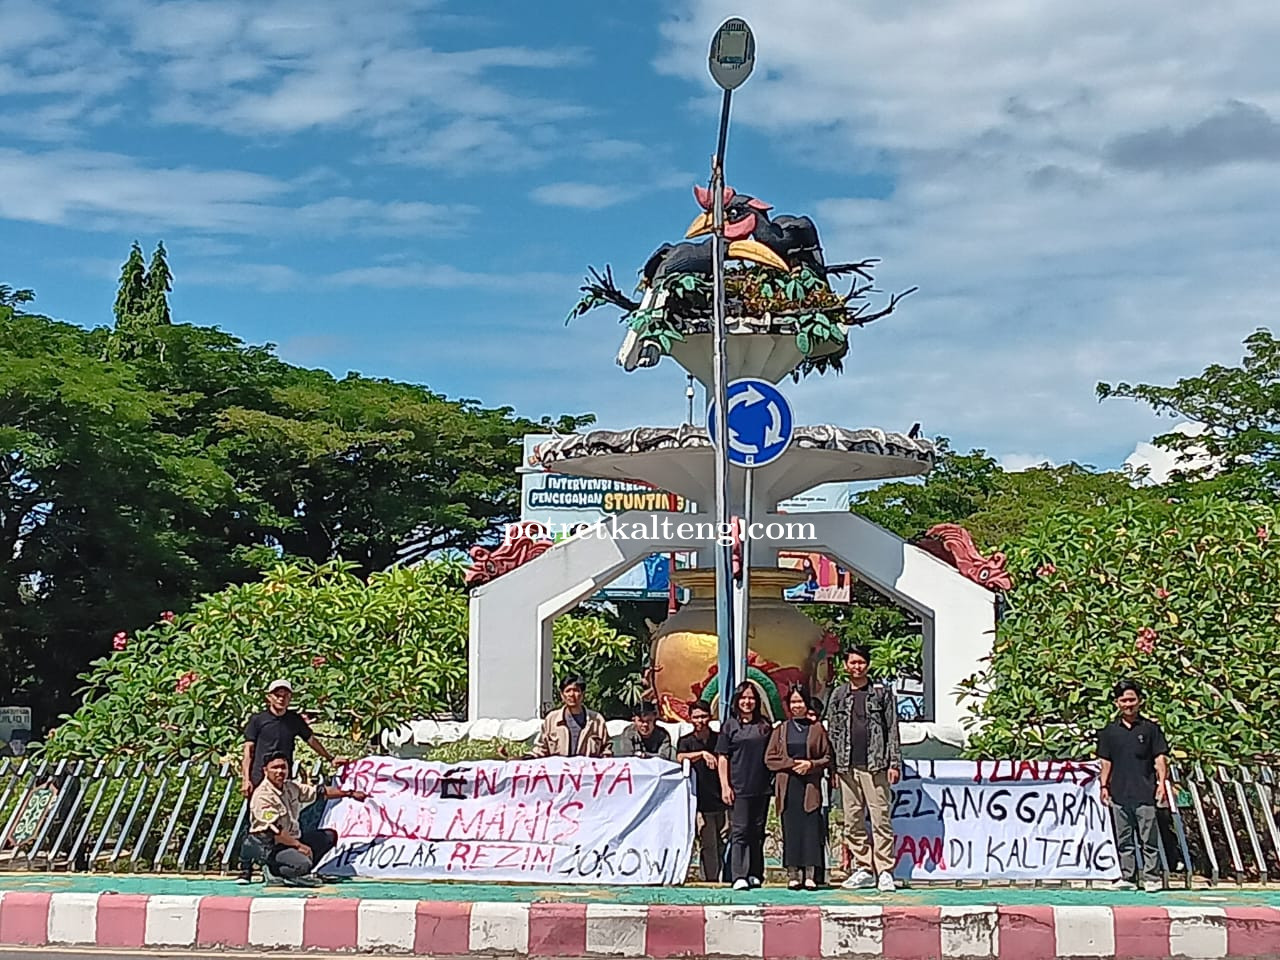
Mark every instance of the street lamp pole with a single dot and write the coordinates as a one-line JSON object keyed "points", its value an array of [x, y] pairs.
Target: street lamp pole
{"points": [[731, 60]]}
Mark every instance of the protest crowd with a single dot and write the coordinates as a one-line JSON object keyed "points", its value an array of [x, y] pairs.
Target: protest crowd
{"points": [[850, 749]]}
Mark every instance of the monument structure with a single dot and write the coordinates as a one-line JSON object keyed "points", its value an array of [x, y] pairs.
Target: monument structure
{"points": [[788, 315]]}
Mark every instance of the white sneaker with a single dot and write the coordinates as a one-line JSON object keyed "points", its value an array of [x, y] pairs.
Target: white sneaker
{"points": [[1153, 886], [1124, 885], [741, 884], [886, 884], [754, 882], [859, 880]]}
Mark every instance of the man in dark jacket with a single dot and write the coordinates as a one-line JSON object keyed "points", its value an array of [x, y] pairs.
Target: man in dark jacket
{"points": [[862, 718]]}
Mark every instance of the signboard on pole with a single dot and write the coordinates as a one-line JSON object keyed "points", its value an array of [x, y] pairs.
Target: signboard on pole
{"points": [[563, 504]]}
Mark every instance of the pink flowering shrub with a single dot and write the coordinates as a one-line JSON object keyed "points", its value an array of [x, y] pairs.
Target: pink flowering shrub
{"points": [[1179, 596]]}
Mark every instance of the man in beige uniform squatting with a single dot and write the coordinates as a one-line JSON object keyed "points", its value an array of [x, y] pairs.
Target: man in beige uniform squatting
{"points": [[275, 836]]}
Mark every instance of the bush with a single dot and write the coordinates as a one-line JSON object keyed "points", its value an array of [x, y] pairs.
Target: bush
{"points": [[1179, 596], [364, 656]]}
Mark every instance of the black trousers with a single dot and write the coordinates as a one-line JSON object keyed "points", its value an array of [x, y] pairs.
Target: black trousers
{"points": [[747, 821]]}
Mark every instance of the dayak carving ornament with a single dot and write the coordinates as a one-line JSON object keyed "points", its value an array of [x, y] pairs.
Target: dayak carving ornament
{"points": [[952, 543], [523, 542]]}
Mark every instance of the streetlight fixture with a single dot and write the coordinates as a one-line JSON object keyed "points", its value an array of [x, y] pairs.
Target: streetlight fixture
{"points": [[731, 60]]}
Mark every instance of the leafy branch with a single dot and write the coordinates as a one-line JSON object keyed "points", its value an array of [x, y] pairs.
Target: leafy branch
{"points": [[600, 290]]}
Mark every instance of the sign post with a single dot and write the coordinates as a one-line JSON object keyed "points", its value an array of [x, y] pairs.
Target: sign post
{"points": [[731, 60], [759, 425]]}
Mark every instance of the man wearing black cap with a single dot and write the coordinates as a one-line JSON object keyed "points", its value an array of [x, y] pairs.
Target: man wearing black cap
{"points": [[274, 730], [642, 737]]}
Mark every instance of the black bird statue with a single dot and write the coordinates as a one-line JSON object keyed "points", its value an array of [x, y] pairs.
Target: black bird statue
{"points": [[739, 230], [794, 239]]}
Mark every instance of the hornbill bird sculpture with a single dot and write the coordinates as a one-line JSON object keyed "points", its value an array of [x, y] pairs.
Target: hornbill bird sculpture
{"points": [[671, 258], [794, 239]]}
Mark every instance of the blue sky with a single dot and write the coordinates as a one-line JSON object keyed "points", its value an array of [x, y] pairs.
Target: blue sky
{"points": [[1082, 192]]}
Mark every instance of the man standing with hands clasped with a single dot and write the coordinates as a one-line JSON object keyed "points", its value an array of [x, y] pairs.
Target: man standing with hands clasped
{"points": [[863, 721], [699, 748], [1135, 773]]}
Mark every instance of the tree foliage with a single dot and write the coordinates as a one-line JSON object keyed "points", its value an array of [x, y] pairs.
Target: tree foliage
{"points": [[152, 462], [995, 505], [1239, 408], [1177, 595], [365, 655]]}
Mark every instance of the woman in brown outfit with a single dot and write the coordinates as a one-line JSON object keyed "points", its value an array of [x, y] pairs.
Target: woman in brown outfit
{"points": [[799, 754]]}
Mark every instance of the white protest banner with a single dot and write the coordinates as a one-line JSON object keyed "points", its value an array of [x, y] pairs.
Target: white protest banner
{"points": [[558, 820], [988, 820]]}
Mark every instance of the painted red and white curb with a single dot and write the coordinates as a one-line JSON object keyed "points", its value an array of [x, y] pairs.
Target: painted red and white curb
{"points": [[444, 928]]}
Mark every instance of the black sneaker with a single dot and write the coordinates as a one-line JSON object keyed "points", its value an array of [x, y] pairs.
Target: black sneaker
{"points": [[245, 877], [308, 881]]}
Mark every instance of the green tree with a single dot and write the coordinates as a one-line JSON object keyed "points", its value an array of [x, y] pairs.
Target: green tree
{"points": [[140, 474], [1176, 595], [1239, 408], [955, 489], [88, 500], [994, 505], [131, 299], [155, 307]]}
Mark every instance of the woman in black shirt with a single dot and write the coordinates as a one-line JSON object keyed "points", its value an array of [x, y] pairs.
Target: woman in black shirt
{"points": [[745, 785]]}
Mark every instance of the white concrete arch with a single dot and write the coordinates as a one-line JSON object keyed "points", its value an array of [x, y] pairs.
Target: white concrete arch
{"points": [[509, 655]]}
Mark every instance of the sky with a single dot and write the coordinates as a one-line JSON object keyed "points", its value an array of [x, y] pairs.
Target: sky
{"points": [[1082, 191]]}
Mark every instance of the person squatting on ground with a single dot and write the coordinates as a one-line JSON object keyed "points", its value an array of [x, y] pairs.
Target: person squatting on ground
{"points": [[745, 785], [697, 748], [572, 730], [275, 730], [863, 721], [1135, 772], [798, 754], [642, 737], [275, 835]]}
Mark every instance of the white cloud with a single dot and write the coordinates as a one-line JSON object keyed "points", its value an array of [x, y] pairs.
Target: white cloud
{"points": [[1017, 462], [1036, 197], [443, 276], [580, 196], [254, 68], [1160, 463], [104, 191]]}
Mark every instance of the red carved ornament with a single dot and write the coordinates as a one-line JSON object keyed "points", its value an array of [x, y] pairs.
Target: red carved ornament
{"points": [[952, 544], [524, 542]]}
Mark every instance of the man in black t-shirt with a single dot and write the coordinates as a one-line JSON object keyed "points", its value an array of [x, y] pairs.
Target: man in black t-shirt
{"points": [[274, 730], [1135, 771], [699, 748]]}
